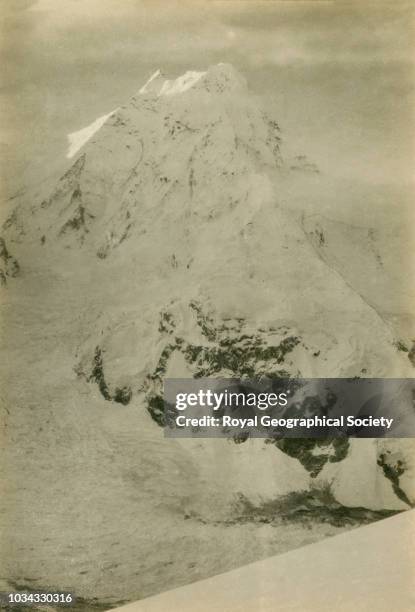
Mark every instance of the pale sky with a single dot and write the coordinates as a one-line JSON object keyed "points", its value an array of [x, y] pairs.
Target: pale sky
{"points": [[339, 76]]}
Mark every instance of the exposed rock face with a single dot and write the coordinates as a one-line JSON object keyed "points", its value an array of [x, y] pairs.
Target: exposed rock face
{"points": [[173, 205], [9, 267]]}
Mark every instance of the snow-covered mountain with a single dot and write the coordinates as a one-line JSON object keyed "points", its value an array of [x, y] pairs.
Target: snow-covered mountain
{"points": [[181, 258]]}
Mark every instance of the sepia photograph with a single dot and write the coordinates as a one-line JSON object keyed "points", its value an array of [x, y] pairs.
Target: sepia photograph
{"points": [[195, 192]]}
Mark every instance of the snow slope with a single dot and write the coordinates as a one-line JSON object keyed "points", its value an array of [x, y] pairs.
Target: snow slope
{"points": [[370, 568], [80, 137]]}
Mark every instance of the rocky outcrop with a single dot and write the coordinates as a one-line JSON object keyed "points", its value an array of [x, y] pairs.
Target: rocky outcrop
{"points": [[9, 266]]}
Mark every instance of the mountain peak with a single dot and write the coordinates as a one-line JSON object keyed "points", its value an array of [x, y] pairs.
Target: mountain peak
{"points": [[217, 79], [225, 75], [181, 84], [153, 83]]}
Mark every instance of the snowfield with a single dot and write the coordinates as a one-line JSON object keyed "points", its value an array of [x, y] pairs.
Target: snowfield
{"points": [[373, 570]]}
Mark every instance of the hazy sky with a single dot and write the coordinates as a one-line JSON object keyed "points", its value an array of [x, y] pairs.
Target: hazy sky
{"points": [[339, 76]]}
